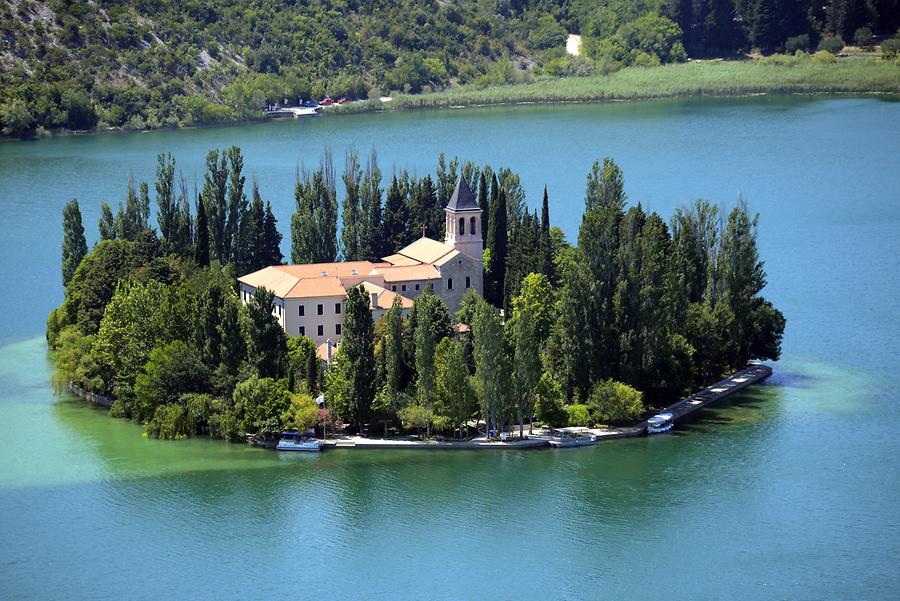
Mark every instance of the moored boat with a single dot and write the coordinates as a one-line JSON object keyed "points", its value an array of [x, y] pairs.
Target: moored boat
{"points": [[291, 440], [563, 438], [661, 422]]}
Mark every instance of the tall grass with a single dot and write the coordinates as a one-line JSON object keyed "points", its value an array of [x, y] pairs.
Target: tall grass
{"points": [[725, 78]]}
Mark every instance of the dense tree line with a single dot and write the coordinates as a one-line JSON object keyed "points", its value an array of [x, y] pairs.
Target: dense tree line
{"points": [[71, 64]]}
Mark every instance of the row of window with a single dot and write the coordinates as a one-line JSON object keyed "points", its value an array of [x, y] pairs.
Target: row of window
{"points": [[320, 330], [449, 286], [320, 309], [461, 230]]}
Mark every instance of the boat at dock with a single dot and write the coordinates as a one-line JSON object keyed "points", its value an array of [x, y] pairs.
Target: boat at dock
{"points": [[563, 438], [292, 440], [659, 423]]}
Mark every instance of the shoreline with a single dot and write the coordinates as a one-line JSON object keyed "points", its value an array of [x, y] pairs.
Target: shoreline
{"points": [[723, 79]]}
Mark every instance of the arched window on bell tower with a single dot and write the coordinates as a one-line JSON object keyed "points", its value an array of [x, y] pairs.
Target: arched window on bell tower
{"points": [[472, 229], [462, 226]]}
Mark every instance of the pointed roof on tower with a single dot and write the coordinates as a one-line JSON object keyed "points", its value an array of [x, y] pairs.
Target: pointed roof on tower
{"points": [[462, 199]]}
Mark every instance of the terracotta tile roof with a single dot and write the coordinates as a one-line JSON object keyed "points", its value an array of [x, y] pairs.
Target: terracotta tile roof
{"points": [[386, 297], [311, 287], [406, 273], [400, 260], [443, 260], [425, 250]]}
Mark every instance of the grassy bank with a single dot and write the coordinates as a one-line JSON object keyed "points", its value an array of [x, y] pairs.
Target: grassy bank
{"points": [[714, 78]]}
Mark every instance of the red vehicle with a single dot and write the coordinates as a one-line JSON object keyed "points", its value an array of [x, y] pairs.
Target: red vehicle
{"points": [[326, 101], [344, 100]]}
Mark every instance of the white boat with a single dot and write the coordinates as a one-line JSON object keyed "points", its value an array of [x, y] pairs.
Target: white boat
{"points": [[563, 438], [291, 440], [661, 422]]}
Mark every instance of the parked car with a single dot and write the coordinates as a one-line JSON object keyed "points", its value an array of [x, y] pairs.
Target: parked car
{"points": [[344, 100], [326, 101], [311, 104]]}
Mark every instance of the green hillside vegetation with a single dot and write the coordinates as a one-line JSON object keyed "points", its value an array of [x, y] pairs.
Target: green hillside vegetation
{"points": [[78, 65], [635, 313]]}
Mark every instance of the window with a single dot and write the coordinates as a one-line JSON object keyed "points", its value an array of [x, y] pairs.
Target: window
{"points": [[394, 288], [302, 311], [468, 282], [320, 309], [320, 330], [303, 330], [417, 286], [449, 283], [462, 226], [403, 287], [472, 229], [337, 308], [337, 329]]}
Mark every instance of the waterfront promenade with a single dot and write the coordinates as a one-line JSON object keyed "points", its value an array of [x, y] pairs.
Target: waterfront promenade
{"points": [[679, 410]]}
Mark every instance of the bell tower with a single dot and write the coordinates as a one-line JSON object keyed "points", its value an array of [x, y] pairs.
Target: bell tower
{"points": [[463, 225]]}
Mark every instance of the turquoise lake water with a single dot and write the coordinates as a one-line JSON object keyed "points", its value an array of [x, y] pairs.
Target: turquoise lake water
{"points": [[791, 490]]}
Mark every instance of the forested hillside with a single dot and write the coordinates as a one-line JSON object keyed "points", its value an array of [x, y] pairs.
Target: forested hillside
{"points": [[74, 64]]}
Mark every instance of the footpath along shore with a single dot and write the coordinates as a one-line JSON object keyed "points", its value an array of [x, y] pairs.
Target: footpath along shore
{"points": [[680, 409]]}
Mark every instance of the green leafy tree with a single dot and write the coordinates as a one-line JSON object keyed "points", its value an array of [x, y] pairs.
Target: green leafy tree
{"points": [[302, 414], [107, 223], [261, 403], [453, 393], [74, 246], [263, 335], [171, 370], [615, 402], [201, 242], [314, 224], [490, 361], [167, 214], [351, 211]]}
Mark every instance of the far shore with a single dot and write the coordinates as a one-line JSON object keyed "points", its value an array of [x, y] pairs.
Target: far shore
{"points": [[696, 79]]}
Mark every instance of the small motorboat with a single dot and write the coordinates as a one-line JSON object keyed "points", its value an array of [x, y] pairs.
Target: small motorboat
{"points": [[659, 423], [563, 438], [292, 440]]}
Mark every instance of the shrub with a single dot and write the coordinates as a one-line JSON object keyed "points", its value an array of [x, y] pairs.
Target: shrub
{"points": [[796, 43], [862, 37], [613, 401], [890, 48], [170, 422], [822, 57], [578, 415], [832, 44]]}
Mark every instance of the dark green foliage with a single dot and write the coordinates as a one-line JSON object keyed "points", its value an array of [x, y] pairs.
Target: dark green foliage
{"points": [[832, 44], [74, 246], [201, 241], [264, 336], [171, 370], [358, 349], [314, 224], [372, 245], [496, 243], [107, 223]]}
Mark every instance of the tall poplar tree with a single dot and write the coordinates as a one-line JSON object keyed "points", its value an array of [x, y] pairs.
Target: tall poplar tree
{"points": [[314, 224], [358, 352], [167, 213], [201, 238], [74, 246], [351, 208], [214, 192], [236, 208], [107, 223]]}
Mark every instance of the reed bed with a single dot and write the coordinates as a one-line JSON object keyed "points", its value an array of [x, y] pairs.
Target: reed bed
{"points": [[700, 78]]}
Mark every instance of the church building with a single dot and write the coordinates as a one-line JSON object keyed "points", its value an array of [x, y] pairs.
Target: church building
{"points": [[309, 299]]}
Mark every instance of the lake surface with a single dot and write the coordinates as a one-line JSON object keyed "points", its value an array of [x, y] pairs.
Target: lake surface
{"points": [[790, 491]]}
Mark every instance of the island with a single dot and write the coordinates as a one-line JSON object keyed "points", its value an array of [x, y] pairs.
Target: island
{"points": [[443, 306]]}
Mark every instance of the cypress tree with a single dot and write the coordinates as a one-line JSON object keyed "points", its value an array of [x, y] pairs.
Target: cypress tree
{"points": [[144, 207], [483, 202], [74, 246], [497, 242], [396, 218], [201, 238], [271, 239], [546, 242]]}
